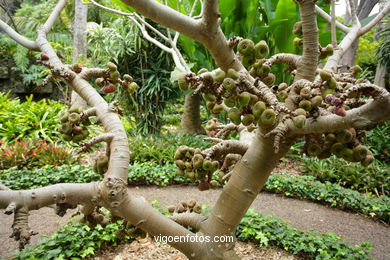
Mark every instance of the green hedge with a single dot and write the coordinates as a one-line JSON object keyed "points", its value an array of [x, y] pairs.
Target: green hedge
{"points": [[78, 240], [306, 187], [268, 230], [161, 148], [303, 187], [373, 179]]}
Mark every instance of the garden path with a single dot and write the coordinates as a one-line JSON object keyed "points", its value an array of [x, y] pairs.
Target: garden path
{"points": [[304, 215]]}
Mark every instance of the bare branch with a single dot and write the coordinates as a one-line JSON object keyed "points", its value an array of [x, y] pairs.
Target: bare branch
{"points": [[53, 16], [220, 150], [107, 137], [376, 20], [367, 115], [88, 73], [167, 16], [328, 18], [18, 38]]}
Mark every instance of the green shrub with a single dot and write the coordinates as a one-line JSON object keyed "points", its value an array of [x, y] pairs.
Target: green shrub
{"points": [[306, 187], [154, 174], [29, 154], [47, 175], [76, 240], [29, 119], [303, 187], [373, 179], [378, 139], [79, 240], [161, 148], [268, 230]]}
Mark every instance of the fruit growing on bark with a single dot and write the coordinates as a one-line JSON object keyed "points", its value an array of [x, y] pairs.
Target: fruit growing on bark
{"points": [[325, 75], [336, 149], [244, 99], [316, 101], [99, 82], [74, 118], [268, 117], [305, 104], [219, 76], [235, 116], [263, 70], [368, 160], [217, 109], [77, 67], [111, 66], [300, 111], [202, 186], [298, 43], [213, 184], [197, 161], [269, 80], [305, 92], [360, 152], [261, 49], [344, 136], [297, 29], [248, 61], [228, 83], [183, 85], [248, 119], [230, 101], [258, 108], [313, 150], [246, 47], [109, 88], [232, 73], [299, 121], [44, 56]]}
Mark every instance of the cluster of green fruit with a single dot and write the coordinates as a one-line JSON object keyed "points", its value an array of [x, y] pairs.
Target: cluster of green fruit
{"points": [[344, 144], [189, 206], [101, 164], [193, 165], [108, 84], [71, 127]]}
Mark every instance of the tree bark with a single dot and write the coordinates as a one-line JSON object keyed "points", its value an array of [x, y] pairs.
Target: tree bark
{"points": [[363, 10], [191, 122], [79, 44]]}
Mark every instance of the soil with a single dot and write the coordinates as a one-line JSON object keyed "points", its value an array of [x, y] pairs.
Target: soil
{"points": [[304, 215]]}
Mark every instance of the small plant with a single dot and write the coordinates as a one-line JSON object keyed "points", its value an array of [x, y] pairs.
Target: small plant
{"points": [[26, 153], [268, 230], [161, 148], [373, 179], [77, 240]]}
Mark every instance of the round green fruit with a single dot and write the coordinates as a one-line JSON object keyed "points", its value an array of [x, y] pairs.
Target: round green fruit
{"points": [[246, 47]]}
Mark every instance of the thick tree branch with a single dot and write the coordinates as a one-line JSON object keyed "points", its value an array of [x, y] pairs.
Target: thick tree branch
{"points": [[142, 215], [308, 63], [368, 115], [60, 193], [18, 38], [374, 21], [88, 73]]}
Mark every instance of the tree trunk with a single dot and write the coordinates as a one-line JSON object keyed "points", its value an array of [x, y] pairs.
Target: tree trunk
{"points": [[380, 75], [79, 44], [191, 122]]}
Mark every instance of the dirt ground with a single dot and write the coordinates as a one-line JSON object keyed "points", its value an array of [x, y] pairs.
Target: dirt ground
{"points": [[303, 215]]}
